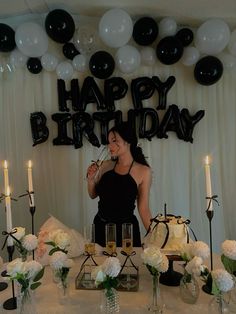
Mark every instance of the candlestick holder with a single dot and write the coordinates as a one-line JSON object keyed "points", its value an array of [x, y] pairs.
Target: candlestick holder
{"points": [[10, 304], [210, 214]]}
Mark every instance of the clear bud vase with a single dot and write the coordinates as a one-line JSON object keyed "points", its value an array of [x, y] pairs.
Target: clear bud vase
{"points": [[157, 305], [218, 305], [26, 302], [110, 301], [189, 288], [63, 291], [232, 298]]}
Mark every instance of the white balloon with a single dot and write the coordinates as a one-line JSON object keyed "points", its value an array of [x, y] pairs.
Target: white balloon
{"points": [[31, 39], [212, 36], [86, 39], [148, 56], [80, 63], [128, 59], [17, 59], [232, 43], [228, 60], [49, 62], [115, 28], [64, 70], [167, 27], [190, 56]]}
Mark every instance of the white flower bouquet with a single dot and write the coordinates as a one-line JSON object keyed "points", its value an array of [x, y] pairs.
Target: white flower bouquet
{"points": [[59, 240], [222, 281], [155, 261], [106, 274], [61, 264], [27, 274], [24, 243], [228, 256]]}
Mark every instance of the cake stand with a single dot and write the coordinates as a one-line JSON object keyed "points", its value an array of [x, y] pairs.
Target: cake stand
{"points": [[171, 277]]}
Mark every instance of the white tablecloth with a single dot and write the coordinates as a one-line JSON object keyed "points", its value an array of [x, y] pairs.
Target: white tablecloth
{"points": [[88, 301]]}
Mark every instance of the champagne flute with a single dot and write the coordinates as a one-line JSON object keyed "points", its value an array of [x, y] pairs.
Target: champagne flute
{"points": [[89, 237], [110, 238], [127, 238], [103, 155]]}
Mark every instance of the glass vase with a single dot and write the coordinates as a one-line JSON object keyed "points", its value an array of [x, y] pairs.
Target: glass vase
{"points": [[232, 298], [110, 301], [63, 291], [218, 305], [26, 302], [189, 288], [157, 304]]}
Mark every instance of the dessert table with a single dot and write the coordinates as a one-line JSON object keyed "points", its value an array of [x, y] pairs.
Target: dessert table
{"points": [[88, 301]]}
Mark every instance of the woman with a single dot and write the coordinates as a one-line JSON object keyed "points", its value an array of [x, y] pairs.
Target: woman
{"points": [[119, 182]]}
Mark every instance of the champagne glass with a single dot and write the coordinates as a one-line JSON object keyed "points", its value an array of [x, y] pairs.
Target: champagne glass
{"points": [[103, 155], [89, 237], [127, 238], [110, 238]]}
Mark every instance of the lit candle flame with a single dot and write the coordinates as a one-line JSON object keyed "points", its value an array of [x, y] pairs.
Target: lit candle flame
{"points": [[30, 164], [5, 166], [8, 191], [207, 160]]}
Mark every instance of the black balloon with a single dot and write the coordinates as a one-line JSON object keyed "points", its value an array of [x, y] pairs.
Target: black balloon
{"points": [[169, 50], [39, 129], [34, 65], [141, 88], [148, 130], [145, 31], [189, 122], [69, 51], [7, 38], [62, 138], [101, 64], [83, 124], [163, 88], [208, 70], [114, 88], [185, 36], [59, 26]]}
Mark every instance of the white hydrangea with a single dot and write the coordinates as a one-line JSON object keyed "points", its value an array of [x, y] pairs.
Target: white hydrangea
{"points": [[57, 260], [20, 232], [229, 249], [195, 267], [224, 281], [200, 249], [111, 266], [153, 257], [186, 251], [30, 242], [32, 267]]}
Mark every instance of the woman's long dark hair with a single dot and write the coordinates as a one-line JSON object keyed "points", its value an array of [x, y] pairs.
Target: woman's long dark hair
{"points": [[128, 134]]}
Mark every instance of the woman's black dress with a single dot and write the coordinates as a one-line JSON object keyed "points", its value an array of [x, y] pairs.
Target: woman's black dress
{"points": [[117, 194]]}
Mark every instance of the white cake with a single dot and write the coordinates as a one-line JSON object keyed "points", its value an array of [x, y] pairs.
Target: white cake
{"points": [[168, 233]]}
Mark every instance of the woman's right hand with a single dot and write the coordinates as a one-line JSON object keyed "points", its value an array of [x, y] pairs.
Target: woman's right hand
{"points": [[91, 171]]}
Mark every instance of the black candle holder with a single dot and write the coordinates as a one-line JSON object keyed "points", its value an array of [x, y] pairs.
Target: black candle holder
{"points": [[10, 304], [32, 212], [171, 277], [207, 287]]}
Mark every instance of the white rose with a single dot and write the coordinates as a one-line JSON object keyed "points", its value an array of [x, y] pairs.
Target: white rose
{"points": [[111, 267], [15, 266], [30, 242], [20, 233], [62, 239]]}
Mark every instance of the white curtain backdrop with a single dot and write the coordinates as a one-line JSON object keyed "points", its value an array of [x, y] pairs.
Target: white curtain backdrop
{"points": [[178, 167]]}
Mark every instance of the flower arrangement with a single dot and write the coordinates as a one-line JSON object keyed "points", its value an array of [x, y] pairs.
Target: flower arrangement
{"points": [[24, 243], [27, 274], [222, 281], [193, 254], [228, 256], [59, 240], [61, 264], [105, 275], [155, 261]]}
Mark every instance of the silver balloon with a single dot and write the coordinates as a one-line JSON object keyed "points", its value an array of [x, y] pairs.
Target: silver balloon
{"points": [[65, 70], [17, 59], [86, 39]]}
